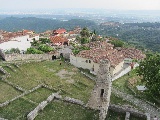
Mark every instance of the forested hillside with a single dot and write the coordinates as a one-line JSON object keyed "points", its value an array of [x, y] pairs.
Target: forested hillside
{"points": [[41, 25], [143, 35]]}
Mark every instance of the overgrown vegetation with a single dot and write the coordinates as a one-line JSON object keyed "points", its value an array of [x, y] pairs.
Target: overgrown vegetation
{"points": [[128, 83], [40, 47], [77, 49], [149, 69], [117, 43]]}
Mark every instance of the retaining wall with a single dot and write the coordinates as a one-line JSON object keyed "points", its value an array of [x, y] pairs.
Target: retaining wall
{"points": [[13, 57]]}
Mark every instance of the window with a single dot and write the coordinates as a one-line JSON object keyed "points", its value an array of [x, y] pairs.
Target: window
{"points": [[89, 61], [86, 61], [102, 93]]}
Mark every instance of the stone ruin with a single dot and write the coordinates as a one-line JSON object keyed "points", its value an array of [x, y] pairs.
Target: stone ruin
{"points": [[100, 97]]}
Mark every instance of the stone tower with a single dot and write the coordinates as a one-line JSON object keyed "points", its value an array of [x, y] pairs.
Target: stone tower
{"points": [[100, 97]]}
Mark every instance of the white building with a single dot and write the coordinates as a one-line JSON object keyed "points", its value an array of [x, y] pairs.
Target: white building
{"points": [[20, 42], [93, 66]]}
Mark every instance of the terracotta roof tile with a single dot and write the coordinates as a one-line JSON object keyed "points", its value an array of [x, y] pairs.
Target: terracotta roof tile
{"points": [[103, 50]]}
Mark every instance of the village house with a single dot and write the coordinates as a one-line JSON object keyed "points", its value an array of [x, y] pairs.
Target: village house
{"points": [[20, 40], [131, 54], [59, 40], [60, 32], [90, 59]]}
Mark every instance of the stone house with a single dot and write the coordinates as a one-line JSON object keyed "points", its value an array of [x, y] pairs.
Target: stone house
{"points": [[90, 59], [58, 40]]}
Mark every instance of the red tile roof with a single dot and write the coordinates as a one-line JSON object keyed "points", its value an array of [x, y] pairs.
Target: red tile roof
{"points": [[132, 53], [103, 50], [58, 39], [59, 31]]}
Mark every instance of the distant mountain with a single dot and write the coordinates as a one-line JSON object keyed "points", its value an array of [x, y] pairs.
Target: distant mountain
{"points": [[40, 24]]}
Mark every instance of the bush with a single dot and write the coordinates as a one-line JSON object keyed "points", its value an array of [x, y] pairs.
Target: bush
{"points": [[45, 48], [33, 51]]}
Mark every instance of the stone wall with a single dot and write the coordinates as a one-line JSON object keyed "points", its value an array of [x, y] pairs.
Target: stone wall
{"points": [[13, 57], [124, 109], [23, 94], [41, 106], [32, 115]]}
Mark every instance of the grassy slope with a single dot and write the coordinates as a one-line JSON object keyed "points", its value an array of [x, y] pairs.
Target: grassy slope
{"points": [[32, 74], [7, 92], [58, 110], [17, 110], [39, 95]]}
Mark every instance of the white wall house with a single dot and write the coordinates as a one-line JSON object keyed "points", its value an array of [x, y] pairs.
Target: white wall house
{"points": [[92, 66], [20, 42]]}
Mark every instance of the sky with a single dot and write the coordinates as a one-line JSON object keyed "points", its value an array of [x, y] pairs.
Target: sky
{"points": [[100, 4]]}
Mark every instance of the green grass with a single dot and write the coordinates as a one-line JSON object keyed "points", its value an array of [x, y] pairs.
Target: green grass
{"points": [[58, 110], [39, 95], [29, 75], [122, 85], [17, 110], [122, 82], [111, 115], [7, 92], [117, 100]]}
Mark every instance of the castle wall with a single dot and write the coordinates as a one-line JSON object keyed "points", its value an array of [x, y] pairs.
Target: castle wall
{"points": [[12, 57]]}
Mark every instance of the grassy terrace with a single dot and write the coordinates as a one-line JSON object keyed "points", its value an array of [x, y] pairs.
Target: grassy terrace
{"points": [[17, 110], [58, 110], [121, 83], [64, 78], [39, 95], [7, 92]]}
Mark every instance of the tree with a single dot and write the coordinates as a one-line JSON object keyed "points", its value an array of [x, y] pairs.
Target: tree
{"points": [[85, 33], [117, 43], [84, 40], [149, 69], [35, 42], [44, 40]]}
